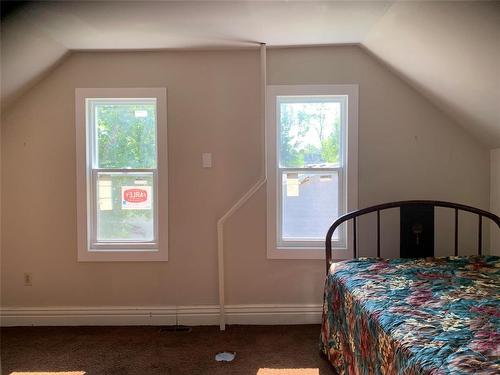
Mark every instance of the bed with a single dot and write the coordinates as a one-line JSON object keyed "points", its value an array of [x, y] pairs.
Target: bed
{"points": [[412, 315]]}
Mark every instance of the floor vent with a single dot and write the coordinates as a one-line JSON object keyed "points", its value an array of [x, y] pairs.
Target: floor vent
{"points": [[176, 328]]}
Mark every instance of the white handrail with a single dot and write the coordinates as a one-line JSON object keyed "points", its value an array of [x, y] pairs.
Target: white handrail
{"points": [[261, 182]]}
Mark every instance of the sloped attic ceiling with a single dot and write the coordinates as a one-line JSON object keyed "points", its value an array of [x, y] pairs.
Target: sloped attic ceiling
{"points": [[449, 51]]}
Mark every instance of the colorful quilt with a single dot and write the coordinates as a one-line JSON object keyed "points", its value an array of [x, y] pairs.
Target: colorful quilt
{"points": [[413, 316]]}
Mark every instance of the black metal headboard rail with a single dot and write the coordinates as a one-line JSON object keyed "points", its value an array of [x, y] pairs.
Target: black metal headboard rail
{"points": [[354, 215]]}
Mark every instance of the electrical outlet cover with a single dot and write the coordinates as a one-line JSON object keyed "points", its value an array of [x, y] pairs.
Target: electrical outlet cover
{"points": [[28, 279]]}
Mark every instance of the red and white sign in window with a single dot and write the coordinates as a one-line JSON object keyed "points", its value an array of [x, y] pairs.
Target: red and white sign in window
{"points": [[136, 198]]}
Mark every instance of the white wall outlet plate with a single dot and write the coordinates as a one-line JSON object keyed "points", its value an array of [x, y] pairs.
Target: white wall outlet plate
{"points": [[28, 279], [206, 160]]}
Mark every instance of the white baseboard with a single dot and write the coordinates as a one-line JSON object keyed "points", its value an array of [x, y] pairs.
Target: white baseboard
{"points": [[159, 315]]}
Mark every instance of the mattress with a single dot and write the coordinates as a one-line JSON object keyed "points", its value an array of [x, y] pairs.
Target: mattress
{"points": [[413, 316]]}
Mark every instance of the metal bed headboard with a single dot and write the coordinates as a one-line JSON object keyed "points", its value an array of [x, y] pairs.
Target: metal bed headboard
{"points": [[380, 207]]}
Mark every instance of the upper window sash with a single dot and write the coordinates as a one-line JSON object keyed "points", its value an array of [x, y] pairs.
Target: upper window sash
{"points": [[340, 100], [93, 129]]}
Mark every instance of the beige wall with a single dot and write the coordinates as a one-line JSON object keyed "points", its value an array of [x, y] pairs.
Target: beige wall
{"points": [[407, 149], [495, 198]]}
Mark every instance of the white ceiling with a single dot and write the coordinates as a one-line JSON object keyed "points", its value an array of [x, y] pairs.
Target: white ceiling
{"points": [[449, 51], [188, 24]]}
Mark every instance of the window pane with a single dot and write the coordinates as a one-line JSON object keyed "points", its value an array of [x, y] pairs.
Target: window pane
{"points": [[125, 207], [310, 204], [126, 134], [309, 133]]}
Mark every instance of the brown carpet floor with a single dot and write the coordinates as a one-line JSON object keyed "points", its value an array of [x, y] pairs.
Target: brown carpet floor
{"points": [[260, 350]]}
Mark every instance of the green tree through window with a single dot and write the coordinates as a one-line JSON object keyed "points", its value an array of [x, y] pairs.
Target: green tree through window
{"points": [[309, 134], [126, 140]]}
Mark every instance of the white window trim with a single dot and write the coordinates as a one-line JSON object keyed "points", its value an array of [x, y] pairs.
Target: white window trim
{"points": [[275, 249], [83, 178]]}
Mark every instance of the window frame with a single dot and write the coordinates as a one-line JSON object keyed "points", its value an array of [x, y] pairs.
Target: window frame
{"points": [[88, 248], [277, 248]]}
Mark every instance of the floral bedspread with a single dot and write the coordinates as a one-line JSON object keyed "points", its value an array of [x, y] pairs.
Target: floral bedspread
{"points": [[413, 316]]}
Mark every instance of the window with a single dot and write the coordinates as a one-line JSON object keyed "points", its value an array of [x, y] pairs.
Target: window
{"points": [[121, 174], [312, 168]]}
